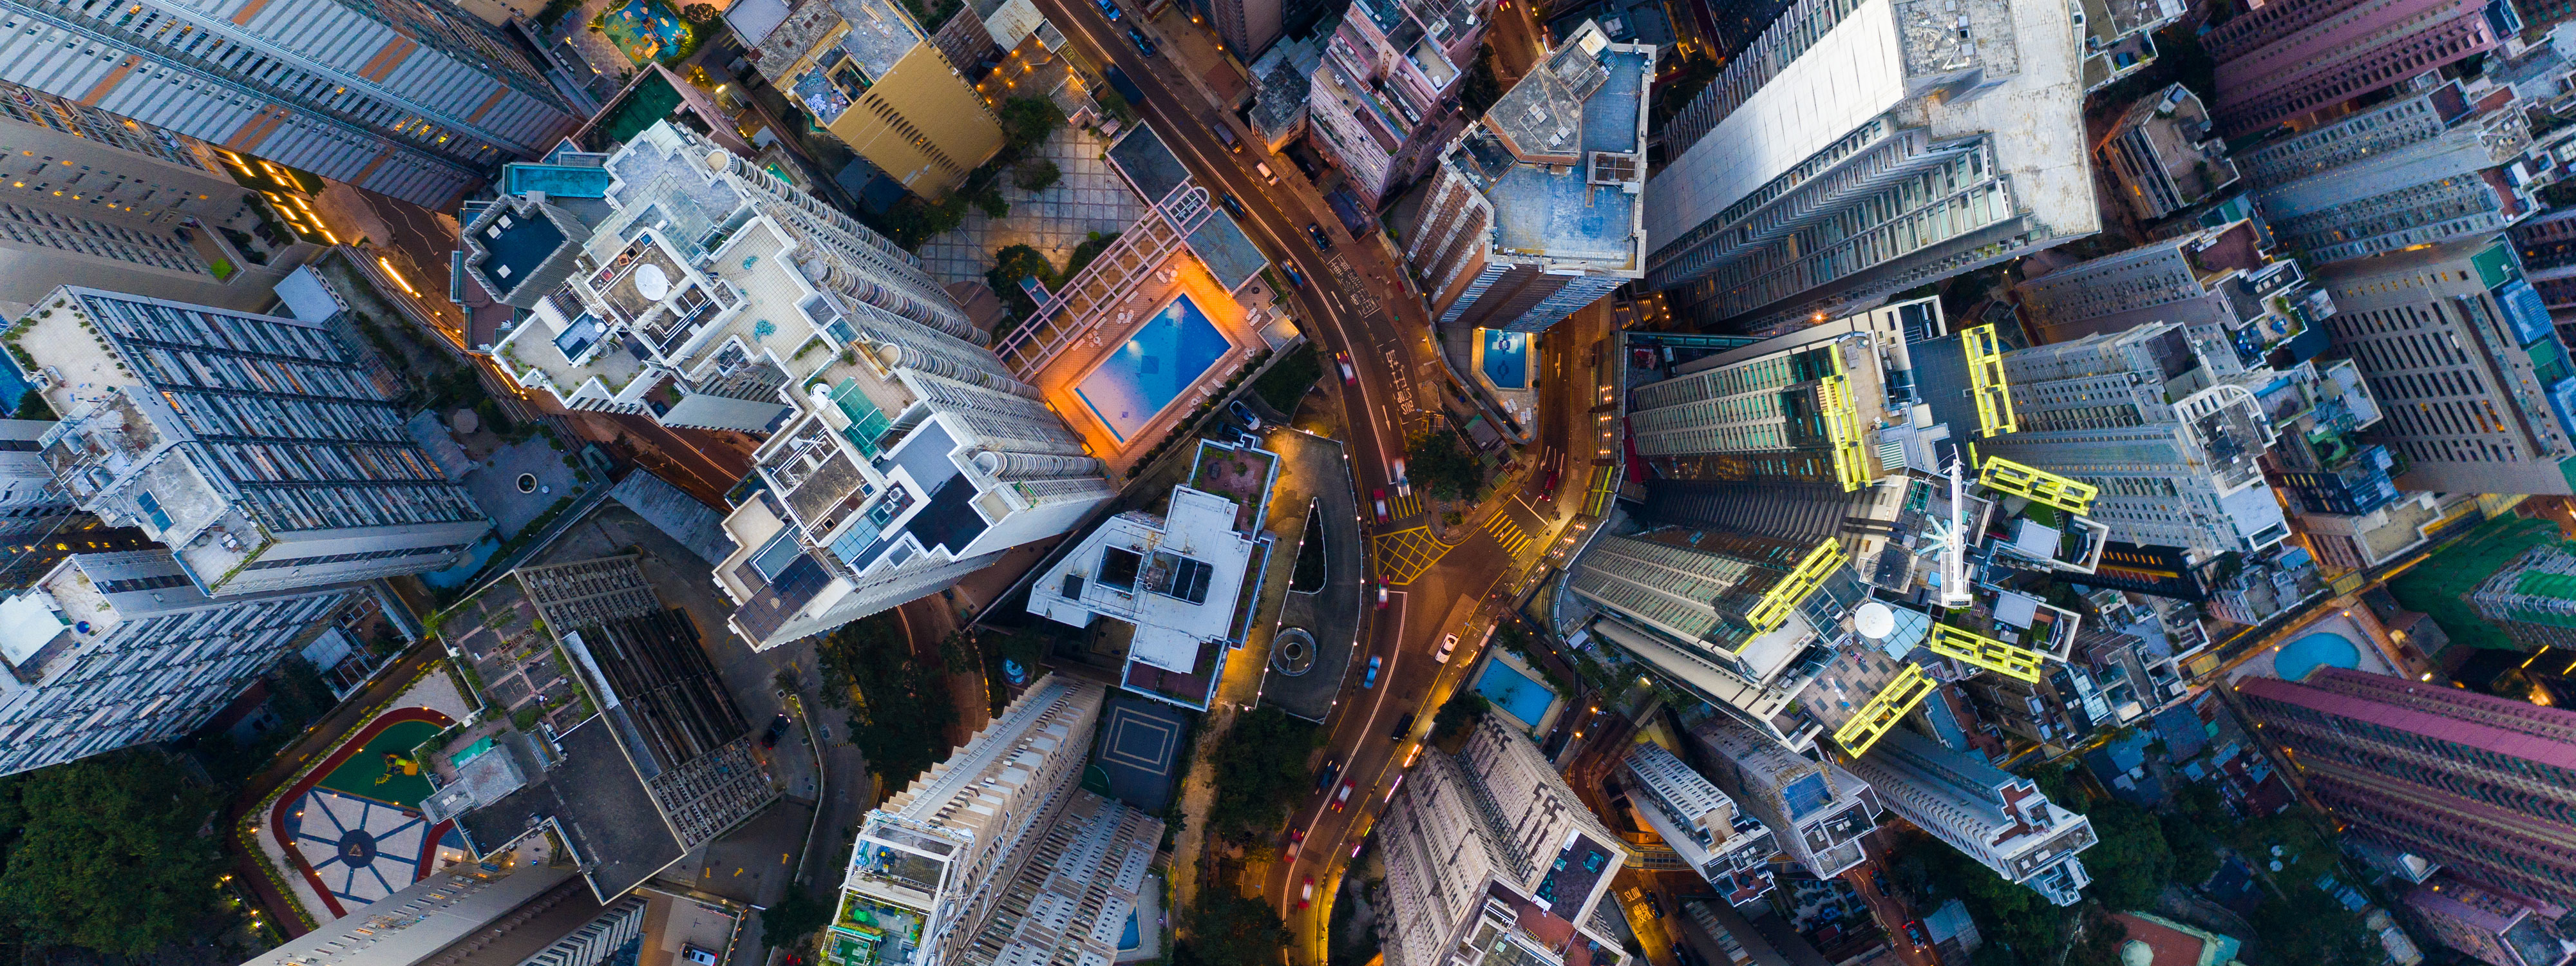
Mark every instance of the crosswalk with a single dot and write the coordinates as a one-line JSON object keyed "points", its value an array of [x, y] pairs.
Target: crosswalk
{"points": [[1508, 533], [1407, 505]]}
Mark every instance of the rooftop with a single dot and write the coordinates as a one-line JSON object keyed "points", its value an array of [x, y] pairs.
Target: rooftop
{"points": [[1558, 156]]}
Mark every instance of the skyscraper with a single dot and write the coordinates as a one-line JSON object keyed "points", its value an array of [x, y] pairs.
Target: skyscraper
{"points": [[1490, 852], [2232, 298], [870, 75], [2482, 784], [1741, 620], [2463, 357], [1537, 210], [2496, 926], [2141, 415], [1828, 403], [949, 871], [2290, 59], [262, 450], [115, 649], [2419, 170], [1990, 815], [1384, 95], [1817, 811], [1248, 27], [1897, 142], [1720, 841], [415, 100], [2165, 154], [2533, 598]]}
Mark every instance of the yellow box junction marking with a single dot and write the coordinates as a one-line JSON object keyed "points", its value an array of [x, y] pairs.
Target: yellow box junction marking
{"points": [[1986, 380], [1405, 554], [1889, 706], [1985, 652], [1773, 609], [2041, 485]]}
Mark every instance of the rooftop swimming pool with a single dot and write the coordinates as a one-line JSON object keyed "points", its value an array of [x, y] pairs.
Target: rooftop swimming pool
{"points": [[1507, 359], [1515, 693], [1139, 380], [2296, 659]]}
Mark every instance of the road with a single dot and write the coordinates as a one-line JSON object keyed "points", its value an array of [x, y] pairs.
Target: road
{"points": [[1357, 300]]}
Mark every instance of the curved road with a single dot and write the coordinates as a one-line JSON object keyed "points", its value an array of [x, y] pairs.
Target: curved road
{"points": [[1397, 387]]}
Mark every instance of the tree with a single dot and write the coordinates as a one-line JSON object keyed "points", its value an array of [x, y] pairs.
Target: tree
{"points": [[1461, 712], [103, 853], [2130, 862], [1228, 928], [1026, 122], [1261, 764], [33, 406], [1037, 174], [901, 723], [699, 13], [793, 918], [1441, 463]]}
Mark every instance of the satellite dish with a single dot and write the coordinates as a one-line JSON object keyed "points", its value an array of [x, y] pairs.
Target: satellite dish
{"points": [[651, 283], [1874, 621]]}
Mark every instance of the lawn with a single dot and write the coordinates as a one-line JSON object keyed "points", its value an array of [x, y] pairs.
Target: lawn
{"points": [[364, 774]]}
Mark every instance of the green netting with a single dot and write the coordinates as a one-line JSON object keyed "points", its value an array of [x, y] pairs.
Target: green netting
{"points": [[2439, 585], [2529, 616], [650, 101], [2539, 584]]}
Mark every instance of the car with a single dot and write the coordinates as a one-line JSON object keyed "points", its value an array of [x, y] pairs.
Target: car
{"points": [[1315, 231], [1448, 646], [1295, 277], [1225, 135], [1349, 375], [1343, 797], [1110, 8], [1296, 839], [1371, 680], [1403, 727], [1244, 413], [1914, 931], [1307, 894], [1403, 480], [777, 729], [1267, 176], [1654, 905], [1233, 205], [1382, 596], [1549, 488], [1878, 880], [1324, 779], [1379, 497], [1143, 46]]}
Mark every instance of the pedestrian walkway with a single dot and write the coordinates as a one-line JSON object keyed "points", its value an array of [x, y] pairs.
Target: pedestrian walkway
{"points": [[1405, 554], [1509, 534], [1407, 505]]}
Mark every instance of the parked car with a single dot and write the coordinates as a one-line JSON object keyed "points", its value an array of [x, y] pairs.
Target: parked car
{"points": [[1110, 8], [1403, 727], [1448, 645], [1379, 497], [1244, 413], [1233, 205], [1914, 931], [1343, 797], [1296, 838], [1371, 680], [1267, 175], [1878, 880], [1225, 134], [1654, 905], [1307, 894], [1324, 779], [1315, 232], [1343, 358], [1143, 46], [777, 729]]}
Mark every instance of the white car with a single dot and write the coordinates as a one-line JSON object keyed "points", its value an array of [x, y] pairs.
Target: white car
{"points": [[1403, 482], [1448, 646]]}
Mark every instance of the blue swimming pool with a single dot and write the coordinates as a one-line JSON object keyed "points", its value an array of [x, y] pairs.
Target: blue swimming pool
{"points": [[2297, 658], [1515, 693], [1507, 359], [1136, 382]]}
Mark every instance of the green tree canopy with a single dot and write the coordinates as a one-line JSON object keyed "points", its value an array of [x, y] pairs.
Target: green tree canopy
{"points": [[904, 709], [1228, 928], [793, 918], [1441, 463], [1261, 764], [2130, 863], [1026, 122], [103, 853]]}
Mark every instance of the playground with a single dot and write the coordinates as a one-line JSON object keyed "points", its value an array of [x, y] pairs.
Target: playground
{"points": [[352, 827], [647, 31]]}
